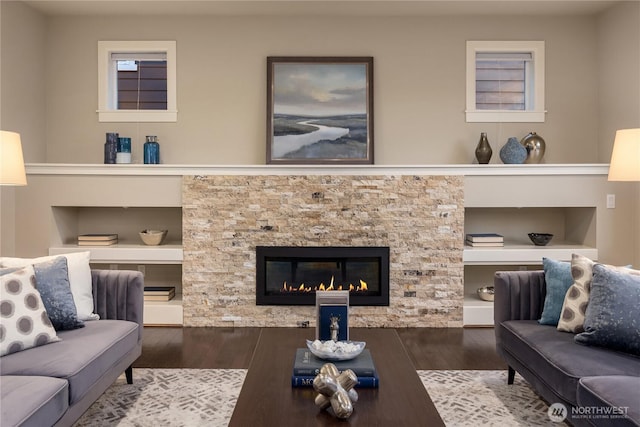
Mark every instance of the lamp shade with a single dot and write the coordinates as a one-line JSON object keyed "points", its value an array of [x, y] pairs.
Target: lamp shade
{"points": [[11, 161], [625, 158]]}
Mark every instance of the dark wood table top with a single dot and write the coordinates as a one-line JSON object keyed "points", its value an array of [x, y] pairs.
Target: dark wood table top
{"points": [[267, 398]]}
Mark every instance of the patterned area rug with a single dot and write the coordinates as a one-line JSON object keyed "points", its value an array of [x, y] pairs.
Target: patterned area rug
{"points": [[483, 398], [168, 397], [206, 397]]}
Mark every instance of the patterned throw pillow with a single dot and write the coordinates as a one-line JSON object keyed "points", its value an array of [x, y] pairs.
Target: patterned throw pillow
{"points": [[612, 315], [52, 281], [557, 276], [577, 297], [25, 323]]}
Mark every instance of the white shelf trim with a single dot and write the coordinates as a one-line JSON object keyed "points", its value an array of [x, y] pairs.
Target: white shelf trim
{"points": [[180, 170], [126, 254]]}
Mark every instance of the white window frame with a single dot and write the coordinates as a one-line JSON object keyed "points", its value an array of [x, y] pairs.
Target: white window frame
{"points": [[536, 112], [107, 82]]}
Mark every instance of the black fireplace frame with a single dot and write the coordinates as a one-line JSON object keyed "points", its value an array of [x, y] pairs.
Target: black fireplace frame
{"points": [[380, 298]]}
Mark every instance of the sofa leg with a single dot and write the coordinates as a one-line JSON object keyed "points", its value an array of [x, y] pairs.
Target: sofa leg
{"points": [[511, 375], [129, 374]]}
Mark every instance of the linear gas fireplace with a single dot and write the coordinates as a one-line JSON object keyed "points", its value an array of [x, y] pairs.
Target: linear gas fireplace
{"points": [[288, 275]]}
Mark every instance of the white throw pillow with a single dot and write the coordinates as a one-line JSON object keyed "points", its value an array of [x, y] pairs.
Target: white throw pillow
{"points": [[79, 279]]}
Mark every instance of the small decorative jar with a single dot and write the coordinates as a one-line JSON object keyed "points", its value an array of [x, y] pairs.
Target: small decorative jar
{"points": [[483, 150], [513, 152], [535, 146], [151, 151], [124, 150], [111, 148]]}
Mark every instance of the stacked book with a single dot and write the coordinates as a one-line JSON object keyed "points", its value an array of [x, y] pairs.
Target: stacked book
{"points": [[97, 239], [159, 293], [484, 239], [306, 367]]}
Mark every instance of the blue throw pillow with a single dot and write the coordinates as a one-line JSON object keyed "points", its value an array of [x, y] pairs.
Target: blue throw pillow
{"points": [[52, 281], [557, 276], [612, 319]]}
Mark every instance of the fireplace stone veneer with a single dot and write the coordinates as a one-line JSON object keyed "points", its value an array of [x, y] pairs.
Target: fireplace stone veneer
{"points": [[420, 219]]}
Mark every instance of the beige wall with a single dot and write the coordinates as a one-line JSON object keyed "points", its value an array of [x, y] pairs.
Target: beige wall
{"points": [[619, 88], [22, 97], [419, 84]]}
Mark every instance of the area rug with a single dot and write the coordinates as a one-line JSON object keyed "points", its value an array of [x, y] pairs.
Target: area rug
{"points": [[167, 398], [206, 397], [483, 398]]}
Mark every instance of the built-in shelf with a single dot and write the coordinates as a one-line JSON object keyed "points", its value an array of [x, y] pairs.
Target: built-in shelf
{"points": [[163, 312], [524, 254], [127, 253]]}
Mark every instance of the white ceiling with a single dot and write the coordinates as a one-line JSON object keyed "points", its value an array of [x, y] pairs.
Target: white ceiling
{"points": [[321, 7]]}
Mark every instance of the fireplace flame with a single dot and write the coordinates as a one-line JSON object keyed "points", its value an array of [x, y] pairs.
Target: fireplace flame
{"points": [[304, 288]]}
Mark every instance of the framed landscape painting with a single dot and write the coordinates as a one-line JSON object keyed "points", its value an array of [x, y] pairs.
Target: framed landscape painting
{"points": [[320, 110]]}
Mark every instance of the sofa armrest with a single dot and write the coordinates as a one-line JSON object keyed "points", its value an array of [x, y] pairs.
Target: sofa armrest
{"points": [[119, 295], [519, 295]]}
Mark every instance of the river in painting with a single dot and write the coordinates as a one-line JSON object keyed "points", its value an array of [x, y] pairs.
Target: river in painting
{"points": [[335, 137]]}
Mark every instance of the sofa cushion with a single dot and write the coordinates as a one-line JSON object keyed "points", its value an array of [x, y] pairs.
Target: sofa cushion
{"points": [[32, 401], [52, 281], [613, 399], [612, 315], [25, 323], [557, 275], [82, 357], [79, 278], [556, 360]]}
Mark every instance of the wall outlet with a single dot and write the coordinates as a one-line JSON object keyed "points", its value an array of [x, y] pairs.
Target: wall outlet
{"points": [[231, 318], [142, 269], [611, 201]]}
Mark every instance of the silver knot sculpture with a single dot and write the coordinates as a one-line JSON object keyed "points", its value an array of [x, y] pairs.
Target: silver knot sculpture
{"points": [[335, 390]]}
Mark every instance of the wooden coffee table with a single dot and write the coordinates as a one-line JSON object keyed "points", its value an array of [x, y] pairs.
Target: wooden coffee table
{"points": [[267, 398]]}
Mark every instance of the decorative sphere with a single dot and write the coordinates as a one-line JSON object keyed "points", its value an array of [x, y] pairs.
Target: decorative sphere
{"points": [[535, 146]]}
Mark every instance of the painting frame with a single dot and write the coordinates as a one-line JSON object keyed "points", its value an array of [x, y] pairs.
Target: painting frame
{"points": [[336, 91]]}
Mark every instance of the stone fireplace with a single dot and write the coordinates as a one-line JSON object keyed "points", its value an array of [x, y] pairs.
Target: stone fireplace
{"points": [[292, 275], [419, 218]]}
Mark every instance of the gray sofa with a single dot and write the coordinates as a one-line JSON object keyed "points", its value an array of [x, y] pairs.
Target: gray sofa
{"points": [[559, 369], [55, 384]]}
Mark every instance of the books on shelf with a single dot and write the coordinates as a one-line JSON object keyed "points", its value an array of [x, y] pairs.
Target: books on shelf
{"points": [[97, 239], [159, 293], [484, 239], [306, 366]]}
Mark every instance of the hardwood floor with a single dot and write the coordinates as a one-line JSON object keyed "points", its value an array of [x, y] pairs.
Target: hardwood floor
{"points": [[210, 348]]}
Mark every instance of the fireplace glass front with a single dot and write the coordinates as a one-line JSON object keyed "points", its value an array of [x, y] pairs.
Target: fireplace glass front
{"points": [[287, 275]]}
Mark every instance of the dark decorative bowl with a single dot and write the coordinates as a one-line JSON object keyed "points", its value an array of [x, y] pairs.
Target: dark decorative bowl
{"points": [[540, 239]]}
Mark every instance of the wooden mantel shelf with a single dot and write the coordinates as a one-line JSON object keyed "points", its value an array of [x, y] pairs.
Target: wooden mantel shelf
{"points": [[180, 170]]}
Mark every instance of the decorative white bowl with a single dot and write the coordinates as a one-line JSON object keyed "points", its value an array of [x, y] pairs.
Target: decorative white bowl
{"points": [[153, 237], [326, 351]]}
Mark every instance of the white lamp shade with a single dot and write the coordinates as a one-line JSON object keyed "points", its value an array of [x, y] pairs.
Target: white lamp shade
{"points": [[625, 159], [11, 160]]}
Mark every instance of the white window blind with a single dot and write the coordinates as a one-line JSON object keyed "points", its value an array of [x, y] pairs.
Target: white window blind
{"points": [[501, 80]]}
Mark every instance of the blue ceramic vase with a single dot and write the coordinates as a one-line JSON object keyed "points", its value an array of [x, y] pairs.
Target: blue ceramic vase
{"points": [[513, 152]]}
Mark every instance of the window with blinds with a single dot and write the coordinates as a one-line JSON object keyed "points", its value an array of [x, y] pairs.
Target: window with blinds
{"points": [[501, 80], [505, 81], [137, 81], [141, 81]]}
